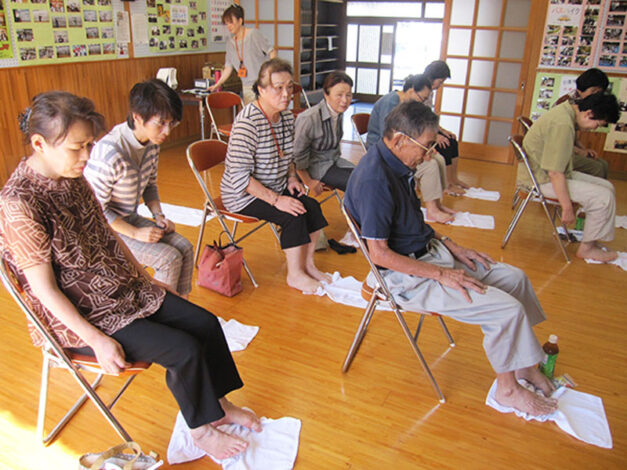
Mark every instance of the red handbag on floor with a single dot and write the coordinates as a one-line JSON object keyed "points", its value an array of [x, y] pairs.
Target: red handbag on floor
{"points": [[220, 269]]}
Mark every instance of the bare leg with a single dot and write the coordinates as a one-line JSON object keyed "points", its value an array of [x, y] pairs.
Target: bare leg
{"points": [[452, 176], [443, 208], [236, 415], [216, 443], [510, 393], [310, 267], [297, 277], [452, 188], [592, 250], [538, 379], [436, 214]]}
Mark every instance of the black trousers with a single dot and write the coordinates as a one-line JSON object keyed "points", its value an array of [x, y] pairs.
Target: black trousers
{"points": [[295, 230], [450, 152], [188, 341], [337, 177]]}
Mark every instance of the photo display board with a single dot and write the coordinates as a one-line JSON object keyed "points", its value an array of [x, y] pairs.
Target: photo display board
{"points": [[177, 25], [57, 31], [585, 33]]}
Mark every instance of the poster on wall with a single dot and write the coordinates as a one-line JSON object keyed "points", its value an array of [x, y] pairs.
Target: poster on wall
{"points": [[53, 31], [616, 140], [549, 87], [219, 33], [177, 25], [613, 47], [6, 51]]}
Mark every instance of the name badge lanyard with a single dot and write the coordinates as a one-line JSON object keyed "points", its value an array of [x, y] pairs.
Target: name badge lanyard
{"points": [[242, 70], [276, 142]]}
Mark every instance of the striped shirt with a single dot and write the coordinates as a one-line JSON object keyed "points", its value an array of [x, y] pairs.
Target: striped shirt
{"points": [[122, 171], [252, 152]]}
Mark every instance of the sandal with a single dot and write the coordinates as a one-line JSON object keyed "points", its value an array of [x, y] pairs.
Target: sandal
{"points": [[116, 459]]}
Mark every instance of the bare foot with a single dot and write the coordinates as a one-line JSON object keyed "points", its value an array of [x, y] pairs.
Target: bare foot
{"points": [[303, 282], [523, 400], [443, 208], [591, 250], [216, 443], [454, 190], [460, 183], [538, 379], [437, 215], [236, 415], [317, 274]]}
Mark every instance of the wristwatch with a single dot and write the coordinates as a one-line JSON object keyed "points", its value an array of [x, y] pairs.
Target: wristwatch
{"points": [[157, 214], [444, 238]]}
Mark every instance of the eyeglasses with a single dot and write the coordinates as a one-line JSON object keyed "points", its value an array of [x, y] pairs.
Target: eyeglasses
{"points": [[427, 150], [161, 124]]}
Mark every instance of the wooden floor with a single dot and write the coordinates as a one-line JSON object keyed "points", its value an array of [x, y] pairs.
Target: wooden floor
{"points": [[383, 414]]}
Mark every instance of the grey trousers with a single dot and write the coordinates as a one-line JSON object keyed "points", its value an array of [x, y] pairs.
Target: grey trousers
{"points": [[506, 312], [598, 200], [431, 176], [595, 167], [172, 257]]}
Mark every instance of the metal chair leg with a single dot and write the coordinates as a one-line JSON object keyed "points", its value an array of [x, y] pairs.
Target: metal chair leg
{"points": [[515, 219], [418, 328], [423, 363], [200, 234], [361, 332], [555, 232], [276, 234], [451, 341], [516, 198]]}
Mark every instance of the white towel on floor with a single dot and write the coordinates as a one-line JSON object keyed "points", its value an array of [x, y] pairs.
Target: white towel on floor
{"points": [[480, 193], [621, 261], [349, 239], [177, 214], [275, 447], [466, 219], [237, 334], [578, 234], [579, 414], [621, 221], [345, 290]]}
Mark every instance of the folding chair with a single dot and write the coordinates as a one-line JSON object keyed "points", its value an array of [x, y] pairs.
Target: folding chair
{"points": [[381, 294], [533, 193], [298, 91], [56, 356], [223, 100], [360, 123], [525, 123], [202, 156]]}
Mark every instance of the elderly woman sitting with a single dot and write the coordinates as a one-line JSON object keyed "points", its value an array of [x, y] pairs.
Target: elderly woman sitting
{"points": [[260, 177], [87, 287]]}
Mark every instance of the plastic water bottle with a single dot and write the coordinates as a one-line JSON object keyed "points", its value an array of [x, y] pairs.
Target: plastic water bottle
{"points": [[580, 220], [551, 350]]}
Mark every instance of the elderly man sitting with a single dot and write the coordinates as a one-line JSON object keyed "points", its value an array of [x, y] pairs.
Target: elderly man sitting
{"points": [[428, 271]]}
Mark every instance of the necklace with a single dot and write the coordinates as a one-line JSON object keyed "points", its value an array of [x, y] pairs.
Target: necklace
{"points": [[276, 142]]}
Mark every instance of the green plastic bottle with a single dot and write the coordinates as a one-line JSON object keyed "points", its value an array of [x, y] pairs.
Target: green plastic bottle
{"points": [[551, 350]]}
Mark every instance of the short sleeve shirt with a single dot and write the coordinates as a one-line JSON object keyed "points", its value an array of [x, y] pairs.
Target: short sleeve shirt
{"points": [[43, 220], [549, 144], [382, 199], [376, 124], [256, 50]]}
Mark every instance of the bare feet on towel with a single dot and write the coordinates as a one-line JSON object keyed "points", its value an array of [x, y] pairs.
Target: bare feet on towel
{"points": [[510, 393], [216, 443], [459, 183], [235, 415], [537, 379], [454, 190], [317, 274], [595, 251], [303, 282], [436, 213]]}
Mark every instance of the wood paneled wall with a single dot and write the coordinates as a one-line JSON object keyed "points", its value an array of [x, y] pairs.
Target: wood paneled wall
{"points": [[107, 83]]}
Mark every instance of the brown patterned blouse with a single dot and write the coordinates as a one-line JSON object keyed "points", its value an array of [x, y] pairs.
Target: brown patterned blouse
{"points": [[43, 220]]}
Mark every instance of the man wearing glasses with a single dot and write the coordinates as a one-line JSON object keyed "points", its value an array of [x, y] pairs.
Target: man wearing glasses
{"points": [[122, 169], [427, 271]]}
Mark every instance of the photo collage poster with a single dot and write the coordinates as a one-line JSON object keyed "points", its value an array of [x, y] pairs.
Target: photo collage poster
{"points": [[616, 140], [177, 25], [6, 50], [571, 33], [585, 33], [613, 47], [53, 31], [218, 31]]}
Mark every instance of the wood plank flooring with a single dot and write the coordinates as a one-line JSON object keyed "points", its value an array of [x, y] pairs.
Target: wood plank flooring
{"points": [[383, 414]]}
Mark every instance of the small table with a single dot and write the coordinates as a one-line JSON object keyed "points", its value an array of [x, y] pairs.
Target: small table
{"points": [[196, 97]]}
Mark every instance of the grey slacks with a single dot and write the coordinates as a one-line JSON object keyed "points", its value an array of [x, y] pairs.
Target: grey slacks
{"points": [[506, 312]]}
